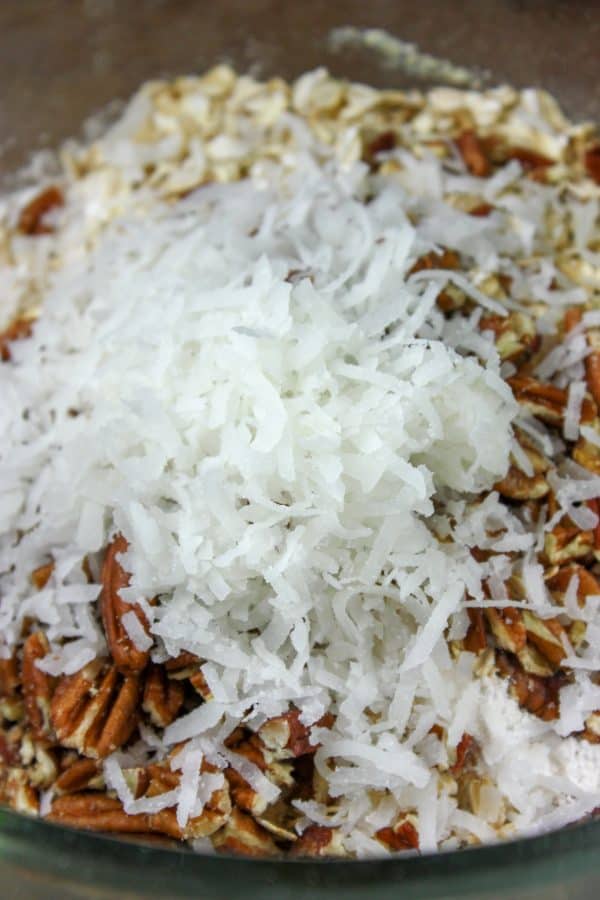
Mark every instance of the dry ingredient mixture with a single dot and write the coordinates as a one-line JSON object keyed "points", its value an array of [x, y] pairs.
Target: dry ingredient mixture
{"points": [[299, 472]]}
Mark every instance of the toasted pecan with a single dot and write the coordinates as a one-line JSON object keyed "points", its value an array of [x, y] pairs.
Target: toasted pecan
{"points": [[128, 658]]}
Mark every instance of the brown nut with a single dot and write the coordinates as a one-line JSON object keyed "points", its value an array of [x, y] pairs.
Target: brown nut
{"points": [[474, 156], [31, 219], [163, 697], [18, 330], [401, 836], [95, 711], [508, 628], [242, 835], [38, 686], [127, 657]]}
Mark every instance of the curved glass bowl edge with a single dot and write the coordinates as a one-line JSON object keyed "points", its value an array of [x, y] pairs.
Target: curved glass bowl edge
{"points": [[81, 864]]}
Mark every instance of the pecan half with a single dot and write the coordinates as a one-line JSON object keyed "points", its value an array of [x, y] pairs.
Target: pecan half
{"points": [[97, 812], [95, 710], [31, 219], [38, 686], [127, 657]]}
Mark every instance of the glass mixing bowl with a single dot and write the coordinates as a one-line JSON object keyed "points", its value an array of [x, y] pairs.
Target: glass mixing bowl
{"points": [[63, 61]]}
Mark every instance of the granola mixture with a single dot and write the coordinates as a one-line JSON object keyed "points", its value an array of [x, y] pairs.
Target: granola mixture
{"points": [[482, 719]]}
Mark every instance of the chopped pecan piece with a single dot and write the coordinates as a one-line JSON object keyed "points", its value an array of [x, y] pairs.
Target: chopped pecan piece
{"points": [[286, 736], [566, 542], [535, 164], [518, 486], [474, 156], [82, 774], [592, 374], [41, 576], [534, 662], [481, 210], [38, 686], [99, 812], [591, 162], [587, 584], [9, 677], [546, 635], [466, 754], [402, 836], [242, 835], [242, 793], [163, 697], [571, 319], [447, 259], [179, 663], [587, 455], [514, 334], [40, 762], [280, 819], [18, 330], [508, 628], [545, 401], [381, 143], [9, 751], [127, 657], [594, 505], [475, 640], [21, 795], [591, 731], [95, 710], [319, 840], [450, 297], [538, 695], [31, 219]]}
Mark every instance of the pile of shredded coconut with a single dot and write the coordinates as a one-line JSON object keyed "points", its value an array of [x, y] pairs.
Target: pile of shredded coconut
{"points": [[254, 387]]}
